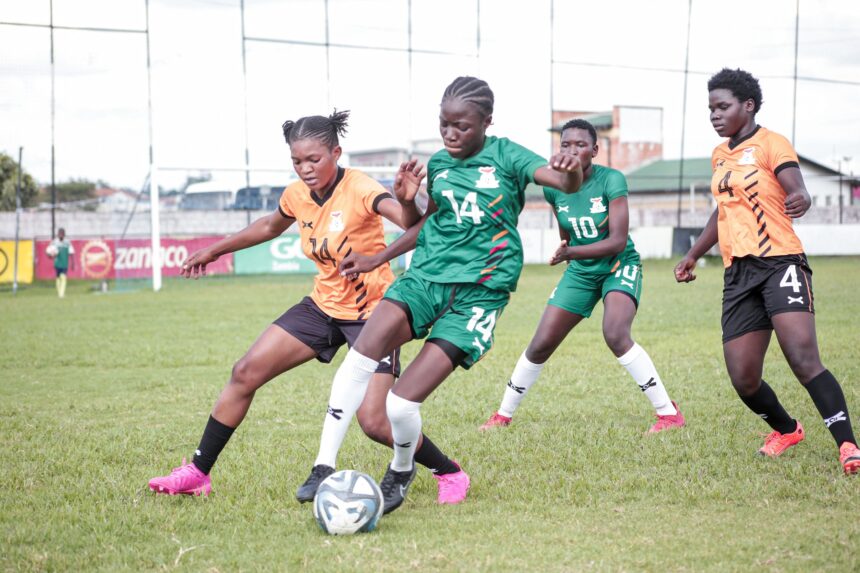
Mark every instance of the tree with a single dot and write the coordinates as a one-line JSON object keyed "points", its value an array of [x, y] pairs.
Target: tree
{"points": [[9, 182]]}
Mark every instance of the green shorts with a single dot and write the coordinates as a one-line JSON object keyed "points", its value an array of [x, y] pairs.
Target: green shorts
{"points": [[578, 292], [462, 314]]}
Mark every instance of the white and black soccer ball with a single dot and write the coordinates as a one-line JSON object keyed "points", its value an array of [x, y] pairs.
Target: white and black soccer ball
{"points": [[348, 502]]}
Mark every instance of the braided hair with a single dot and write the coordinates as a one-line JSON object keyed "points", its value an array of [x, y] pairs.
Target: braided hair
{"points": [[579, 123], [323, 129], [743, 85], [472, 90]]}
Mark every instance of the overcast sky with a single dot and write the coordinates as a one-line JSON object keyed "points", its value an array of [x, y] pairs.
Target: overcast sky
{"points": [[605, 53]]}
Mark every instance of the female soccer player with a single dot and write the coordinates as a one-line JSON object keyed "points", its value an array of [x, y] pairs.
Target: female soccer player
{"points": [[767, 283], [62, 251], [593, 224], [339, 211], [467, 261]]}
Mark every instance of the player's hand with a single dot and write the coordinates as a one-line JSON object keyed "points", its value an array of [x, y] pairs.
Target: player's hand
{"points": [[562, 253], [564, 163], [684, 270], [796, 204], [194, 266], [408, 180], [354, 264]]}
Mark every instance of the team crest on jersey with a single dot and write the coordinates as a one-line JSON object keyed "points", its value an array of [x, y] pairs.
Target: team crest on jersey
{"points": [[597, 205], [336, 223], [748, 158], [488, 178]]}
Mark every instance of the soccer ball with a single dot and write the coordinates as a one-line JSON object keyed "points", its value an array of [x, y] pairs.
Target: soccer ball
{"points": [[52, 251], [348, 502]]}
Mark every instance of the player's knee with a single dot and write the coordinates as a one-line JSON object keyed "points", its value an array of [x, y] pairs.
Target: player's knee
{"points": [[375, 426], [746, 385], [805, 364], [399, 409], [539, 351], [617, 339], [246, 376]]}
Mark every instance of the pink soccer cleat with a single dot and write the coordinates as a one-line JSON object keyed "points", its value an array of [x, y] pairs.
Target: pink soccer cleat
{"points": [[186, 479], [849, 457], [775, 443], [496, 421], [675, 420], [452, 487]]}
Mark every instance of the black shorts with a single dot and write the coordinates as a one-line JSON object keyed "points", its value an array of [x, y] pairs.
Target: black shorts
{"points": [[756, 288], [61, 271], [325, 335]]}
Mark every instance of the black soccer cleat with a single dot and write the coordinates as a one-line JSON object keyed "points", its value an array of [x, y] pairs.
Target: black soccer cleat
{"points": [[394, 486], [308, 490]]}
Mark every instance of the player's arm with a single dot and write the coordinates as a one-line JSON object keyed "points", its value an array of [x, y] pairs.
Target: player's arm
{"points": [[797, 200], [71, 256], [614, 243], [263, 229], [708, 238], [356, 263], [563, 173]]}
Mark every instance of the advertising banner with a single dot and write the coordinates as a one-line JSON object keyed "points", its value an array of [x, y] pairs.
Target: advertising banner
{"points": [[25, 261], [281, 255], [97, 259]]}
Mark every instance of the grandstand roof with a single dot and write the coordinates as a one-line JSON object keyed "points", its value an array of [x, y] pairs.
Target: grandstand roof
{"points": [[662, 175]]}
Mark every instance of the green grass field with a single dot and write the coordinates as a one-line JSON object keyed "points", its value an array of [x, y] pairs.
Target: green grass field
{"points": [[99, 393]]}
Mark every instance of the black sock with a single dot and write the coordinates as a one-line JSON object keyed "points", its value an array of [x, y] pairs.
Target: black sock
{"points": [[429, 456], [766, 405], [215, 437], [830, 401]]}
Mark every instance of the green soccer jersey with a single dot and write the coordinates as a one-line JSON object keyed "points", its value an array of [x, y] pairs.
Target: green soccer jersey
{"points": [[64, 249], [472, 237], [585, 216]]}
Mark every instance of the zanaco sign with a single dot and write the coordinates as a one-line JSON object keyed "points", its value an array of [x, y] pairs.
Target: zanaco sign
{"points": [[131, 258]]}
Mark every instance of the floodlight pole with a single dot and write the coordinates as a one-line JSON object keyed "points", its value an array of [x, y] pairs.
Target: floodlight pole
{"points": [[154, 215], [18, 222]]}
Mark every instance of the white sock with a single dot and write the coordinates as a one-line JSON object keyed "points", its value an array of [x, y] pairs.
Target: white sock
{"points": [[524, 375], [639, 365], [405, 417], [347, 392]]}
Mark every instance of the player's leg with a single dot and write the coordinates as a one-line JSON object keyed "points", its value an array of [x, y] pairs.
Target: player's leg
{"points": [[463, 324], [746, 336], [794, 324], [387, 328], [274, 352], [554, 326], [570, 301], [744, 357], [373, 419], [403, 404], [61, 282], [619, 312]]}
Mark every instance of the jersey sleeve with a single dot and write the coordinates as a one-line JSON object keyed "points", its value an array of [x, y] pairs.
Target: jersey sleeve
{"points": [[71, 248], [780, 154], [522, 162], [284, 204], [371, 192], [616, 185]]}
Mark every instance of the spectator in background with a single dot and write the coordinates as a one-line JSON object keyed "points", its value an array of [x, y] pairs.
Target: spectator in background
{"points": [[60, 250]]}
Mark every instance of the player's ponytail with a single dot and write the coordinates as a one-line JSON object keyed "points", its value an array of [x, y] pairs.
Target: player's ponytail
{"points": [[338, 121], [324, 129]]}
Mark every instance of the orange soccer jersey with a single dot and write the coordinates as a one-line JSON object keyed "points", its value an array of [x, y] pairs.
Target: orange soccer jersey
{"points": [[345, 220], [750, 200]]}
